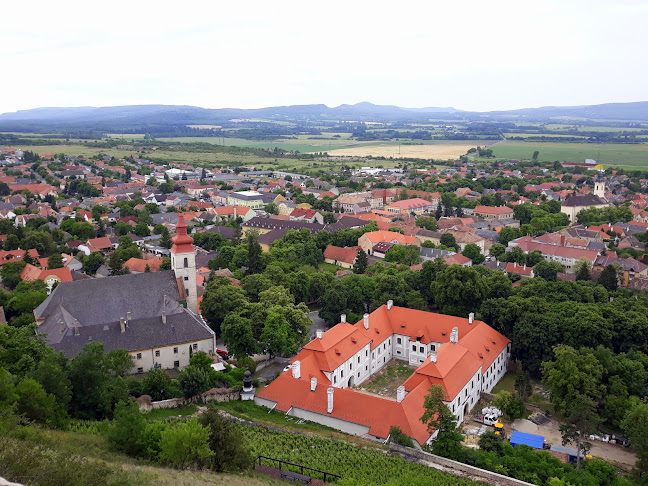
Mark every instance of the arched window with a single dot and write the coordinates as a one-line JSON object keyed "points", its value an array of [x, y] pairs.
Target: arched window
{"points": [[186, 262]]}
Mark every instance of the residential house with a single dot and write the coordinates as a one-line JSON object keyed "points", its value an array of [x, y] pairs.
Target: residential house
{"points": [[493, 212], [368, 240], [342, 257], [417, 206]]}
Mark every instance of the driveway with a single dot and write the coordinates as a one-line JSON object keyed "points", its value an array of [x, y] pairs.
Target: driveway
{"points": [[318, 323]]}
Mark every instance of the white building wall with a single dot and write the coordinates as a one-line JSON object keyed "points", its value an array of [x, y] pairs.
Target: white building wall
{"points": [[467, 397], [496, 370], [169, 357]]}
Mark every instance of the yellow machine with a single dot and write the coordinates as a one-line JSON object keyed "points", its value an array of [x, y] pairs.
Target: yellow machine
{"points": [[499, 428]]}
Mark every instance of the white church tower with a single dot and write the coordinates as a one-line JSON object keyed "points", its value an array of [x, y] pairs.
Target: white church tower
{"points": [[183, 262], [599, 186]]}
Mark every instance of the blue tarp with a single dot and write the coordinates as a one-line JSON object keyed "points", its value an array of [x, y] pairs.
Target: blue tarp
{"points": [[531, 440]]}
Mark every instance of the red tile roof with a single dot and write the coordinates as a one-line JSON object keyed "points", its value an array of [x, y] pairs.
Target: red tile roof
{"points": [[346, 255], [493, 210]]}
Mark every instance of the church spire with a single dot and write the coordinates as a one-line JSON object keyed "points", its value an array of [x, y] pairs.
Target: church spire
{"points": [[183, 262]]}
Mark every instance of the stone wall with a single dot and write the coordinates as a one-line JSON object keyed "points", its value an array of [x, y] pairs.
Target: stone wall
{"points": [[216, 394], [456, 468]]}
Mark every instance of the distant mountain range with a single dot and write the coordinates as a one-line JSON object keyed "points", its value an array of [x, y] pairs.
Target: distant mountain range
{"points": [[139, 116]]}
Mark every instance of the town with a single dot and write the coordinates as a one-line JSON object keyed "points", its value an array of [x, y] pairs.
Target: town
{"points": [[346, 301]]}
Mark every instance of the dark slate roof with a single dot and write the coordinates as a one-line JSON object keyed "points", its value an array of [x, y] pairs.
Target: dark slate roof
{"points": [[140, 334], [224, 231], [583, 200], [434, 253], [104, 300], [272, 236]]}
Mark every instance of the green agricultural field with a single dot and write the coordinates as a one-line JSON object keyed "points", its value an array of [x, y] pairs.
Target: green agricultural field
{"points": [[545, 135], [608, 154]]}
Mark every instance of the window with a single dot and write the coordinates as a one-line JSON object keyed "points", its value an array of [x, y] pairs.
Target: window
{"points": [[350, 366], [398, 340], [422, 349], [373, 355], [157, 353], [341, 373], [358, 359], [176, 364], [175, 350], [334, 379], [139, 355], [186, 278], [366, 368], [195, 347], [433, 347], [414, 347], [187, 292], [186, 262], [140, 370]]}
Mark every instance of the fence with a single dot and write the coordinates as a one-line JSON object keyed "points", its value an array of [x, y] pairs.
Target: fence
{"points": [[301, 468]]}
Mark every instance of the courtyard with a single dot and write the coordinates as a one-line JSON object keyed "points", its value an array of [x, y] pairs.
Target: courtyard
{"points": [[385, 382]]}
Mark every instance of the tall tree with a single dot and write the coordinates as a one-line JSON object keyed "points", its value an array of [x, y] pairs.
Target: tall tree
{"points": [[439, 418], [583, 270], [574, 382], [254, 254], [361, 262], [609, 278], [635, 425]]}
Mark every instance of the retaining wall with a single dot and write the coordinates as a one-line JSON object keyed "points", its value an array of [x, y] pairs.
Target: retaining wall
{"points": [[458, 468]]}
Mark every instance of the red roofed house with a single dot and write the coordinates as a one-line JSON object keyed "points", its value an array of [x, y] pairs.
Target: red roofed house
{"points": [[342, 257], [7, 256], [369, 240], [408, 206], [463, 356], [138, 265], [493, 212], [308, 215], [50, 277]]}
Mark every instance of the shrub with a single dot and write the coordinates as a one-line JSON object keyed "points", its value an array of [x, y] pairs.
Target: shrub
{"points": [[397, 436], [184, 444], [229, 450]]}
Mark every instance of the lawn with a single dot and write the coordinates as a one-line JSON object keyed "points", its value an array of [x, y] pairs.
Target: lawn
{"points": [[329, 267], [507, 383], [608, 154], [388, 379]]}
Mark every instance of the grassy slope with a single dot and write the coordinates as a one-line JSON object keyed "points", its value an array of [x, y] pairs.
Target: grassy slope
{"points": [[96, 448]]}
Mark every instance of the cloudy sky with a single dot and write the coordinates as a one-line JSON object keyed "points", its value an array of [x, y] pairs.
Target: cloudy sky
{"points": [[473, 55]]}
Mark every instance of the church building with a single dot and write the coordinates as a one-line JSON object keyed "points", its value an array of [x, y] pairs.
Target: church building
{"points": [[153, 315]]}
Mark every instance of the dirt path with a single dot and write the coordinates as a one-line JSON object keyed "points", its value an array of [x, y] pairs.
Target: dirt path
{"points": [[610, 452]]}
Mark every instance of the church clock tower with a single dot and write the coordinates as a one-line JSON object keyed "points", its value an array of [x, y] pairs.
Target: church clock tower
{"points": [[183, 262]]}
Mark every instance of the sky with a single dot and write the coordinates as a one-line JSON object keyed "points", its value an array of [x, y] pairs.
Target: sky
{"points": [[471, 55]]}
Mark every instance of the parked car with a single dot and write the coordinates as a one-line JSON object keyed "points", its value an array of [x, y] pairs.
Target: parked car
{"points": [[603, 438], [619, 440], [222, 354]]}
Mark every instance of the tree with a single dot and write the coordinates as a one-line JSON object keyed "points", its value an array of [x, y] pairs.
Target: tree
{"points": [[229, 452], [34, 402], [574, 382], [609, 278], [361, 262], [439, 418], [12, 243], [427, 223], [254, 254], [439, 211], [271, 208], [95, 391], [397, 436], [218, 301], [55, 261], [165, 240], [548, 270], [185, 443], [141, 229], [635, 425], [10, 274], [158, 385], [27, 258], [193, 380], [403, 254], [448, 239], [237, 333], [127, 429], [507, 234], [523, 385], [512, 407], [583, 269], [92, 262], [120, 362], [459, 290], [473, 252]]}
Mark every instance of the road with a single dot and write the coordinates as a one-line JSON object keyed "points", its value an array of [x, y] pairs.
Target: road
{"points": [[318, 323]]}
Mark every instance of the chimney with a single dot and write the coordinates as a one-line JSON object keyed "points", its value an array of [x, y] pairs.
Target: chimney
{"points": [[76, 330], [400, 393], [390, 303], [433, 356], [366, 321], [471, 317], [319, 334], [454, 335], [122, 324], [329, 394], [296, 369], [313, 384], [128, 316], [163, 317], [343, 318]]}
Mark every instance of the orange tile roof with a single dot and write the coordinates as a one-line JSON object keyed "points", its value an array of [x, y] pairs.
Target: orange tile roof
{"points": [[346, 255], [493, 210], [385, 236], [139, 264], [478, 346]]}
